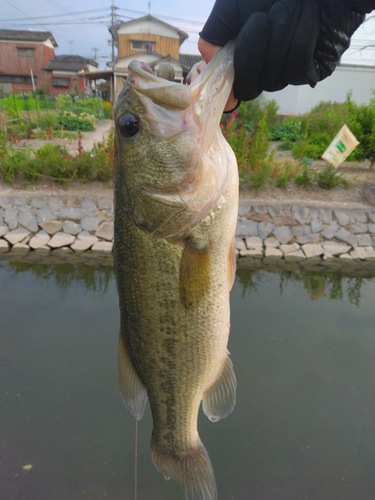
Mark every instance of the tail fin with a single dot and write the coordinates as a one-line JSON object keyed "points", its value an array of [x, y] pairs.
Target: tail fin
{"points": [[193, 470]]}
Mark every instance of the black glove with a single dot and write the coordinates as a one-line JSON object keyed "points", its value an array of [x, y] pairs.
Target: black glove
{"points": [[281, 42]]}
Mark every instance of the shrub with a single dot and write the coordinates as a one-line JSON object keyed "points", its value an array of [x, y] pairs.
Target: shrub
{"points": [[107, 110], [55, 162], [283, 172], [329, 177], [305, 177], [89, 105], [69, 121], [48, 120], [314, 147], [322, 123], [250, 113], [250, 148], [362, 124], [287, 131]]}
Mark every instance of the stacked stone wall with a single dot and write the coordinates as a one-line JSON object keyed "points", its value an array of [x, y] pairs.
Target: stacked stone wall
{"points": [[329, 236]]}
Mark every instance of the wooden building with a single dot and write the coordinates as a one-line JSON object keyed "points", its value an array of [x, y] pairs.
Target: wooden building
{"points": [[67, 74], [152, 41], [23, 55], [28, 63]]}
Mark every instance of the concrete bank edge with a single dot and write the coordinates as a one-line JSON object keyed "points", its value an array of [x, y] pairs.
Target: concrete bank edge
{"points": [[68, 227]]}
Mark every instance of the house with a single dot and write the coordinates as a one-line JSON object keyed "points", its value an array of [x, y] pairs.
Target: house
{"points": [[151, 41], [23, 54], [28, 63], [359, 80], [67, 74]]}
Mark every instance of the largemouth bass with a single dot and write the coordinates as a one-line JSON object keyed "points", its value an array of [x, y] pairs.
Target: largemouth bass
{"points": [[176, 203]]}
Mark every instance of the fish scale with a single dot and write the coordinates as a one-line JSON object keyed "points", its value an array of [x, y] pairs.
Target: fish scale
{"points": [[176, 201]]}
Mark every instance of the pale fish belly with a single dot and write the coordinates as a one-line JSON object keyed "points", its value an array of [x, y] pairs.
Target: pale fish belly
{"points": [[179, 350]]}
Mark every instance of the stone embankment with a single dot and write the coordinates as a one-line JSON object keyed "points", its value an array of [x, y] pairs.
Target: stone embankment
{"points": [[47, 224], [326, 236]]}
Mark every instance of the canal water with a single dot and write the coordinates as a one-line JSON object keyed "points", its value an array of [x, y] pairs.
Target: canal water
{"points": [[303, 348]]}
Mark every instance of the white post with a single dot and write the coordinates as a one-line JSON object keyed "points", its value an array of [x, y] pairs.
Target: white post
{"points": [[32, 79]]}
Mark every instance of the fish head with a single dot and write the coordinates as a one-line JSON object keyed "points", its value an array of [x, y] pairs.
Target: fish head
{"points": [[168, 157]]}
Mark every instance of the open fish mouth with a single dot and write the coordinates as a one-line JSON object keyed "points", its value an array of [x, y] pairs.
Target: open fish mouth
{"points": [[204, 97]]}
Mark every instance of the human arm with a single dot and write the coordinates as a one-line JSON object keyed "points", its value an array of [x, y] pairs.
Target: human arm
{"points": [[281, 42]]}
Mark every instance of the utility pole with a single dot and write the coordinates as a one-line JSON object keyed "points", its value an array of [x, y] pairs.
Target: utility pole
{"points": [[96, 50], [113, 19], [113, 85]]}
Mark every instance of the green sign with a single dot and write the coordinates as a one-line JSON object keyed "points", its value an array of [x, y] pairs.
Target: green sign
{"points": [[341, 146]]}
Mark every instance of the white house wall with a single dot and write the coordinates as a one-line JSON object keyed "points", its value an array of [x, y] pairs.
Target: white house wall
{"points": [[48, 43], [62, 72], [122, 64], [298, 100], [148, 26]]}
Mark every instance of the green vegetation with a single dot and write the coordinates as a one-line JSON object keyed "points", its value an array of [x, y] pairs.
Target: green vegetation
{"points": [[246, 130], [322, 123], [55, 162], [24, 116], [15, 104], [70, 121], [250, 130]]}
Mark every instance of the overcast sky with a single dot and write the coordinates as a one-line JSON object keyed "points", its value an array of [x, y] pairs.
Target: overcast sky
{"points": [[81, 27]]}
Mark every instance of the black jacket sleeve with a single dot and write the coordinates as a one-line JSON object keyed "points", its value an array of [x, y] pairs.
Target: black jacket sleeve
{"points": [[281, 42]]}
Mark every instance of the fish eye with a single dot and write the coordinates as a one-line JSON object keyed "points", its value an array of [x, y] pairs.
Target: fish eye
{"points": [[128, 124]]}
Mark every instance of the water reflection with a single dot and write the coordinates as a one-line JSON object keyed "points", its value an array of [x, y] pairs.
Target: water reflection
{"points": [[319, 283], [65, 275], [334, 285], [303, 348]]}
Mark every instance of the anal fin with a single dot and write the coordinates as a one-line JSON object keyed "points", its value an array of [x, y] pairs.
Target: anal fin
{"points": [[132, 389], [219, 400]]}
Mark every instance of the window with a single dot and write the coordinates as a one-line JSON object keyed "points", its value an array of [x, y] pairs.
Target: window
{"points": [[26, 52], [142, 45], [15, 79], [60, 82]]}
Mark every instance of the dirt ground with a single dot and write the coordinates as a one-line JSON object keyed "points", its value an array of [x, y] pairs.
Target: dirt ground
{"points": [[352, 197]]}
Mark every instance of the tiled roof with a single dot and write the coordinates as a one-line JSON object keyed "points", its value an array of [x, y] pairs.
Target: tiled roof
{"points": [[189, 59], [69, 63], [27, 35]]}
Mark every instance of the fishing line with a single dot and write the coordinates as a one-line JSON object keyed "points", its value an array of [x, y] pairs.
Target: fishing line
{"points": [[136, 461]]}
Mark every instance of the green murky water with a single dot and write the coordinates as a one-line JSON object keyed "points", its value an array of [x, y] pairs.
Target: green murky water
{"points": [[303, 347]]}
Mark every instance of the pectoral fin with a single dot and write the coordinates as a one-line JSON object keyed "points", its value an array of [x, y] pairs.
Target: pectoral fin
{"points": [[132, 390], [194, 274], [219, 400]]}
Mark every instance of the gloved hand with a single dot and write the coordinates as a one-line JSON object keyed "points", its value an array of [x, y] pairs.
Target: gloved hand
{"points": [[281, 42]]}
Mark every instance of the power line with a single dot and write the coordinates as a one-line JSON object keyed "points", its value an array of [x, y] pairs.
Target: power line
{"points": [[52, 15], [88, 11], [200, 23], [35, 20], [55, 4]]}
